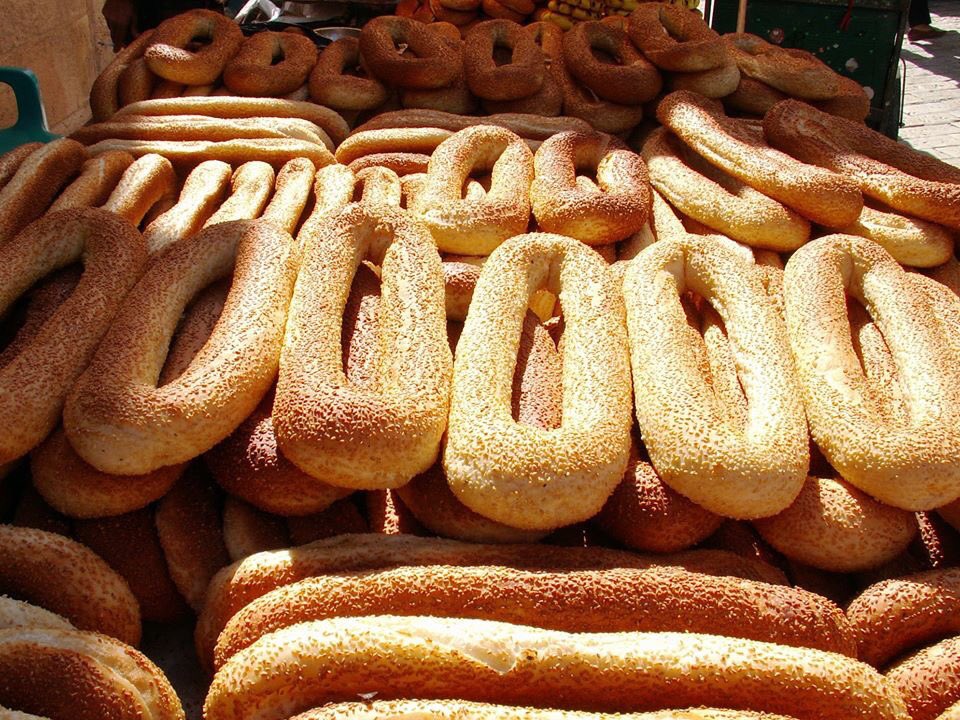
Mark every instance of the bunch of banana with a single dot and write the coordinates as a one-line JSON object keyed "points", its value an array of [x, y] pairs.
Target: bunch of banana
{"points": [[565, 13]]}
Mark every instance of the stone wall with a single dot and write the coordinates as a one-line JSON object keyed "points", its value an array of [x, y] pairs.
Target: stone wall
{"points": [[66, 43]]}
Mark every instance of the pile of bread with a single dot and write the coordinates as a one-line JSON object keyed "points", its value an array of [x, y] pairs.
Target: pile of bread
{"points": [[255, 361], [607, 72]]}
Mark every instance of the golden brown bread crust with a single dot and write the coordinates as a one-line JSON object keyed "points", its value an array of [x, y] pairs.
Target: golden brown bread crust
{"points": [[432, 64], [251, 185], [910, 241], [145, 185], [67, 578], [334, 660], [521, 77], [795, 72], [388, 140], [247, 531], [118, 396], [897, 615], [619, 209], [16, 613], [167, 54], [716, 83], [525, 125], [331, 85], [291, 194], [270, 64], [241, 583], [738, 148], [98, 177], [753, 97], [898, 176], [907, 458], [490, 459], [104, 94], [630, 80], [674, 39], [136, 82], [319, 413], [929, 680], [654, 599], [11, 160]]}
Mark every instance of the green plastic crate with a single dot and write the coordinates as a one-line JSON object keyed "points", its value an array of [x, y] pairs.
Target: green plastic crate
{"points": [[867, 49]]}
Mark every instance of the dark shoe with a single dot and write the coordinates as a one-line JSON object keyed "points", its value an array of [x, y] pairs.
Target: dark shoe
{"points": [[924, 32]]}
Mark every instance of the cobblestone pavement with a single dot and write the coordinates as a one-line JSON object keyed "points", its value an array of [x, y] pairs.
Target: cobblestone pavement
{"points": [[931, 111]]}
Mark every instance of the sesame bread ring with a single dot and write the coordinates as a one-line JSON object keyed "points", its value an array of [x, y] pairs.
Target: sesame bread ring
{"points": [[188, 153], [894, 616], [490, 661], [852, 103], [247, 531], [716, 83], [412, 140], [16, 613], [290, 194], [169, 57], [104, 93], [402, 163], [333, 189], [738, 148], [237, 107], [147, 183], [547, 101], [378, 187], [488, 458], [630, 80], [63, 576], [752, 97], [911, 241], [902, 178], [167, 89], [202, 192], [519, 78], [618, 207], [654, 599], [460, 277], [456, 98], [98, 177], [833, 526], [796, 73], [37, 181], [250, 187], [433, 64], [333, 83], [527, 126], [136, 83], [676, 39], [11, 161], [929, 679], [318, 412], [270, 64], [720, 201], [890, 455], [118, 396], [747, 465], [37, 379], [476, 227]]}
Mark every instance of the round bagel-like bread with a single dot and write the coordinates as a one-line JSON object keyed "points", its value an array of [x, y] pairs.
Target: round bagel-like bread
{"points": [[619, 206], [531, 127], [318, 412], [333, 85], [519, 78], [797, 73], [270, 64], [251, 185], [653, 599], [489, 459], [35, 381], [104, 93], [476, 227], [629, 80], [63, 576], [833, 526], [401, 163], [118, 395], [919, 243], [909, 458], [167, 54], [389, 140], [433, 63], [333, 189], [291, 193], [146, 185], [753, 97], [489, 661], [739, 149], [236, 586], [718, 200], [894, 616], [11, 160], [929, 679], [16, 613], [890, 172], [673, 38], [98, 177], [72, 675], [136, 83], [746, 464], [851, 103]]}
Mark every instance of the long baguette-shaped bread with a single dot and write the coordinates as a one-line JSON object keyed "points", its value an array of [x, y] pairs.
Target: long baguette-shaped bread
{"points": [[464, 710], [276, 151], [241, 583], [309, 664], [651, 599]]}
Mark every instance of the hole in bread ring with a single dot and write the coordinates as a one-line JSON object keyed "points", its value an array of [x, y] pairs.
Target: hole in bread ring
{"points": [[36, 379], [319, 413], [490, 460], [429, 62], [629, 79], [476, 227], [118, 396], [519, 77], [910, 460], [674, 38], [745, 466], [270, 64], [339, 80], [618, 207], [169, 57]]}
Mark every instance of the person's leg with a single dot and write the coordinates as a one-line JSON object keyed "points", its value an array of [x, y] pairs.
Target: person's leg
{"points": [[919, 13]]}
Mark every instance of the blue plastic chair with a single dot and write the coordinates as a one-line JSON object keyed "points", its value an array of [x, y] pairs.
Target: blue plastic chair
{"points": [[31, 125]]}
